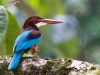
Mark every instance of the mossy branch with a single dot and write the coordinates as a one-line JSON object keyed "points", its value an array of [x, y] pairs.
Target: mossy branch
{"points": [[47, 66]]}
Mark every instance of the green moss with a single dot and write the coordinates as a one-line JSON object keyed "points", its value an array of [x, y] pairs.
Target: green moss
{"points": [[93, 68], [64, 70], [32, 70], [35, 59], [4, 67], [57, 61], [17, 72], [68, 62], [85, 70], [47, 58], [55, 67], [49, 68]]}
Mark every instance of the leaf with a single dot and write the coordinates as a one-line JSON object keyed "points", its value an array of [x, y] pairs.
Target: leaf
{"points": [[13, 31], [3, 22]]}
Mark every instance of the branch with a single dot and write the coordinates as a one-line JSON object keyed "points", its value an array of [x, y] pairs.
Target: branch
{"points": [[17, 2], [47, 66]]}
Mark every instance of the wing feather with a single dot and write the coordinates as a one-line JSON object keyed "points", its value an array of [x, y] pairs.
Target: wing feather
{"points": [[26, 40]]}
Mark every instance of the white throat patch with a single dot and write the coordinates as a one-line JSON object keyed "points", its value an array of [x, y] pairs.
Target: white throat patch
{"points": [[41, 24]]}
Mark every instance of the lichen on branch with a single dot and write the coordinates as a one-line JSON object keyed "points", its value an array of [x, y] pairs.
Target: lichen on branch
{"points": [[48, 66]]}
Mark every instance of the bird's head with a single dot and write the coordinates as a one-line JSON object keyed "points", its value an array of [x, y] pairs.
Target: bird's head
{"points": [[36, 21]]}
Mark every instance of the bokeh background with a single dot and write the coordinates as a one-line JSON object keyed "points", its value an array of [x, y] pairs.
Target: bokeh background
{"points": [[78, 37]]}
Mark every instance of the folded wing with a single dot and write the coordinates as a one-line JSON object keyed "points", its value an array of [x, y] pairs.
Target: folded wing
{"points": [[26, 40]]}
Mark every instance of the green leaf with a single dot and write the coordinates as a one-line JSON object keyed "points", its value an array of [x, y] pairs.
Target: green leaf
{"points": [[3, 22], [13, 31]]}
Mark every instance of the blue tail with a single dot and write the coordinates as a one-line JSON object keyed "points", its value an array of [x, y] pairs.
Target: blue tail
{"points": [[15, 61]]}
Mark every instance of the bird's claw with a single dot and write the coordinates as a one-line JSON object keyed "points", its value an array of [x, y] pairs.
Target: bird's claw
{"points": [[34, 49], [36, 55]]}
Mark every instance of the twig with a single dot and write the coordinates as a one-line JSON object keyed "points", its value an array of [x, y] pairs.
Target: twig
{"points": [[17, 2]]}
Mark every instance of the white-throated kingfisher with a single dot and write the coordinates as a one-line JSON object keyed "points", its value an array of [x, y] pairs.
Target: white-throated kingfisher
{"points": [[28, 39]]}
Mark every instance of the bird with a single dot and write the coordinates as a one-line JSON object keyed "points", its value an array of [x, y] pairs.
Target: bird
{"points": [[28, 39]]}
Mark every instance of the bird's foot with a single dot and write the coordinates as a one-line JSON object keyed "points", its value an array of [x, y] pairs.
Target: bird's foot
{"points": [[33, 48], [36, 55]]}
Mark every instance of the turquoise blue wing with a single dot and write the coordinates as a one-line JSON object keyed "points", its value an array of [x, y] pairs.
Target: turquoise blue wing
{"points": [[26, 40]]}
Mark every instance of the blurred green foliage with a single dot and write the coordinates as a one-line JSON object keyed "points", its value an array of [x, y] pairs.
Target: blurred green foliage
{"points": [[88, 14], [45, 7]]}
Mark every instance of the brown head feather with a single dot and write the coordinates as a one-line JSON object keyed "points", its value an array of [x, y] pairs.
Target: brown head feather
{"points": [[31, 21]]}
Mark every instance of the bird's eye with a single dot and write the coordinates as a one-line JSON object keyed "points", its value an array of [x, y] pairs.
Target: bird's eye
{"points": [[37, 17]]}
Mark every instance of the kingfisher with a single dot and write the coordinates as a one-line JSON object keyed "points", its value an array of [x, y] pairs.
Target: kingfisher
{"points": [[28, 39]]}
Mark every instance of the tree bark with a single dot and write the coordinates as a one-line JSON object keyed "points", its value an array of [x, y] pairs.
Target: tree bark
{"points": [[48, 66]]}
